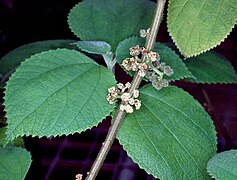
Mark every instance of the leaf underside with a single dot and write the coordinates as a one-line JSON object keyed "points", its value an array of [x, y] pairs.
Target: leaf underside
{"points": [[211, 68], [198, 26], [94, 47], [55, 93], [13, 59], [171, 136], [110, 21], [223, 166], [167, 55], [14, 163]]}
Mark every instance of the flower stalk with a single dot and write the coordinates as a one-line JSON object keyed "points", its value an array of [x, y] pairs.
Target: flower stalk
{"points": [[150, 40]]}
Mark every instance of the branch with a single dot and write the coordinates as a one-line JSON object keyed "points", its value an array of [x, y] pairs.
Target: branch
{"points": [[134, 85]]}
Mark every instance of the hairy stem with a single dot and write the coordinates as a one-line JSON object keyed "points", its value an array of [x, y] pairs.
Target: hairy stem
{"points": [[134, 85]]}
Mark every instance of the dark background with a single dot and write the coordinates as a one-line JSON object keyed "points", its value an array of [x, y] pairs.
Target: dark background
{"points": [[26, 21]]}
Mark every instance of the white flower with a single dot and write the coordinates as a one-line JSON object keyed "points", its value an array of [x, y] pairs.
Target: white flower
{"points": [[125, 97], [141, 73], [79, 177], [137, 104], [127, 85], [152, 56], [134, 51], [128, 108], [111, 90], [144, 33], [120, 86], [135, 93], [131, 101]]}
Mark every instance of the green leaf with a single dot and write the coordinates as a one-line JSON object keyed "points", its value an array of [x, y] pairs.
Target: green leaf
{"points": [[56, 92], [110, 21], [3, 139], [171, 136], [223, 166], [13, 59], [198, 26], [94, 47], [14, 163], [167, 55], [211, 68]]}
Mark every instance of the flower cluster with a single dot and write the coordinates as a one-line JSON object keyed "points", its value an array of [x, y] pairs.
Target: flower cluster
{"points": [[128, 100], [150, 67]]}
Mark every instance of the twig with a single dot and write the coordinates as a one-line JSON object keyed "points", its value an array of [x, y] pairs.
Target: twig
{"points": [[134, 85]]}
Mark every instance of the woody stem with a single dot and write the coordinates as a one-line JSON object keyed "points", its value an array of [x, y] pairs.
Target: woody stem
{"points": [[134, 85]]}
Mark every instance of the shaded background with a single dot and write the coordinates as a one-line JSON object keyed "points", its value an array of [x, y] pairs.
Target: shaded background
{"points": [[25, 21]]}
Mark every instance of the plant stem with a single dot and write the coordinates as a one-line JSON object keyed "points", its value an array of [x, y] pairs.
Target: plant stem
{"points": [[134, 85]]}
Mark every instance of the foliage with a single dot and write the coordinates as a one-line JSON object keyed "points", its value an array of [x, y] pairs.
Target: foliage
{"points": [[171, 136], [223, 166]]}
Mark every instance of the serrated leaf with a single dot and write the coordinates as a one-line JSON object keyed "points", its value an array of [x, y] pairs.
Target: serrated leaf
{"points": [[197, 26], [211, 68], [94, 47], [167, 55], [14, 163], [110, 21], [223, 166], [16, 142], [56, 92], [13, 59], [171, 136]]}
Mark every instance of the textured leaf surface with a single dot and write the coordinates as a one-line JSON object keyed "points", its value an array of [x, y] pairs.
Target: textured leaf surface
{"points": [[166, 55], [3, 139], [171, 136], [223, 166], [197, 26], [110, 21], [13, 59], [56, 92], [14, 163], [211, 68], [94, 47]]}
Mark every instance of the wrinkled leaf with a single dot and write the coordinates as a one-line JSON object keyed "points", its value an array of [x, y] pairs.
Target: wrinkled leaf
{"points": [[171, 136], [55, 93], [14, 163], [223, 166], [167, 55], [197, 26], [13, 59], [211, 68], [94, 47], [110, 21]]}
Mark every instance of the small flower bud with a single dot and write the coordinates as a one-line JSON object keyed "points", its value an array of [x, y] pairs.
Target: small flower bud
{"points": [[168, 71], [79, 177], [152, 56], [131, 101], [125, 97], [141, 73], [111, 90], [144, 33], [134, 51], [135, 93], [120, 86], [127, 85], [128, 108], [137, 104]]}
